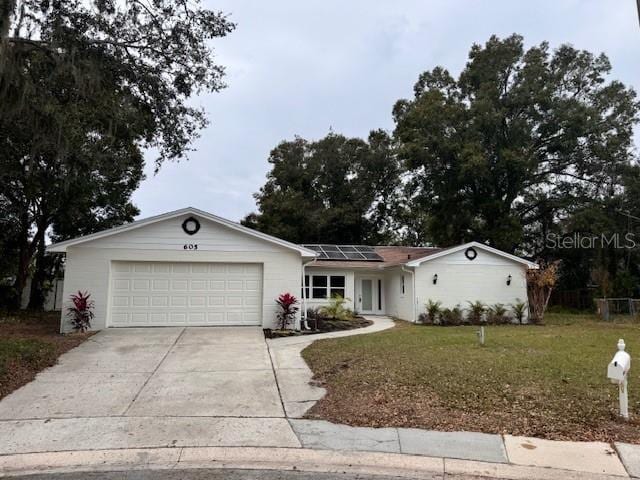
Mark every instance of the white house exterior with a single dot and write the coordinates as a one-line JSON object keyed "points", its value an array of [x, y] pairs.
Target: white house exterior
{"points": [[192, 268], [408, 277], [153, 273]]}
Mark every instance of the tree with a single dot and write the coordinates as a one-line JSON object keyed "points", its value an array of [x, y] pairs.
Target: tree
{"points": [[84, 88], [335, 190], [519, 141]]}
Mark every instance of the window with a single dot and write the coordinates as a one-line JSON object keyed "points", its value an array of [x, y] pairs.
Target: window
{"points": [[379, 294], [324, 286], [402, 284], [337, 285], [319, 286], [305, 287]]}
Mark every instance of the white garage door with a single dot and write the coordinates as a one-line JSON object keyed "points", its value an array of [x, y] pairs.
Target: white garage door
{"points": [[163, 293]]}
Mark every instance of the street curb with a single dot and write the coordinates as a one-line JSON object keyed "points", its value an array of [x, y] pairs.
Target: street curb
{"points": [[290, 459]]}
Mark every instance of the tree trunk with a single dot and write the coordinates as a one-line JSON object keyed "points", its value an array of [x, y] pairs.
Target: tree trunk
{"points": [[22, 273], [37, 294], [25, 255]]}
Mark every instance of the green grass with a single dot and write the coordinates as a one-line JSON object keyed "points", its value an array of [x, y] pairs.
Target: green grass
{"points": [[28, 352], [548, 381]]}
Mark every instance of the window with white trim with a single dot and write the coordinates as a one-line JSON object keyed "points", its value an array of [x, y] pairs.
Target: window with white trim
{"points": [[402, 284], [325, 286]]}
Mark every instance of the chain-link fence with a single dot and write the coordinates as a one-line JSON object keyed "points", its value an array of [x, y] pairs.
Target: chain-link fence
{"points": [[618, 307]]}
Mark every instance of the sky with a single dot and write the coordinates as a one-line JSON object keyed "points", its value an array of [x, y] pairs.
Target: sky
{"points": [[307, 67]]}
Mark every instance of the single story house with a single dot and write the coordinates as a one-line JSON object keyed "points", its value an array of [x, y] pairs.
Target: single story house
{"points": [[189, 267]]}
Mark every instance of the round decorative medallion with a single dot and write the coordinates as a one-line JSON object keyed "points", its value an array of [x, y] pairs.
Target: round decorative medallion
{"points": [[191, 226], [470, 253]]}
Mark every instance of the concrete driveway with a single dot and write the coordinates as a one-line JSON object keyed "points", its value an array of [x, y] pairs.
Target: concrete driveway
{"points": [[148, 386], [188, 372]]}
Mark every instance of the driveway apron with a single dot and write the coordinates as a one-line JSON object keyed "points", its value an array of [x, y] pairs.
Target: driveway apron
{"points": [[148, 387]]}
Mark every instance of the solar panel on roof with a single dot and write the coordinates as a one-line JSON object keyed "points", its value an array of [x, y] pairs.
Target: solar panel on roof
{"points": [[345, 252]]}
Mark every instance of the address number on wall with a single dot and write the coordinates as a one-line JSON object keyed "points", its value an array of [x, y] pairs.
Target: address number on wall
{"points": [[190, 246]]}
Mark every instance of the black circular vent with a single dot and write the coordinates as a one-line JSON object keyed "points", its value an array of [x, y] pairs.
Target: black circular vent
{"points": [[191, 226]]}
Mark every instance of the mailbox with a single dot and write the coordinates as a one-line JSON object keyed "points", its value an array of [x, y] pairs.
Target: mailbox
{"points": [[617, 373], [620, 365]]}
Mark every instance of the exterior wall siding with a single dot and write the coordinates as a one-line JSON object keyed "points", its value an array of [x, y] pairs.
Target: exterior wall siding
{"points": [[399, 305], [88, 266], [461, 281]]}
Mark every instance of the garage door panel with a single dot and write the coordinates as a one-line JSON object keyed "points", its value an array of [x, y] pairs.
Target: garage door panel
{"points": [[158, 294], [159, 301], [198, 285], [160, 285]]}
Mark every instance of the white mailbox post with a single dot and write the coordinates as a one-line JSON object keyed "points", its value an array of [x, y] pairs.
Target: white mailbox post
{"points": [[617, 373]]}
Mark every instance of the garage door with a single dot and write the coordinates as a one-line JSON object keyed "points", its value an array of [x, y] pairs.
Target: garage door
{"points": [[163, 294]]}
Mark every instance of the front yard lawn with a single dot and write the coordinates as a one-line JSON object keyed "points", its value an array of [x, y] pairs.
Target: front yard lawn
{"points": [[30, 342], [544, 381]]}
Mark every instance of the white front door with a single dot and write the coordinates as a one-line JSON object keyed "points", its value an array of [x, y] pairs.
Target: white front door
{"points": [[369, 295]]}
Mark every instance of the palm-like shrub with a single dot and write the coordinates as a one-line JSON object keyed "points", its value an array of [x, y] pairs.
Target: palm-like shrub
{"points": [[451, 316], [432, 313], [519, 310], [80, 313], [336, 309], [475, 312], [498, 314], [288, 309]]}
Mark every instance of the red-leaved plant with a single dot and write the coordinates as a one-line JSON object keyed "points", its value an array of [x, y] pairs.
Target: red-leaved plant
{"points": [[81, 312], [288, 309]]}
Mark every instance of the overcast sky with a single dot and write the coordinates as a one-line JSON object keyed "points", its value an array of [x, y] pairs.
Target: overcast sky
{"points": [[303, 67]]}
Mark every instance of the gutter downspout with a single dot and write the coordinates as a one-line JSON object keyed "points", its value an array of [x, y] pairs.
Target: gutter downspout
{"points": [[303, 314], [413, 292]]}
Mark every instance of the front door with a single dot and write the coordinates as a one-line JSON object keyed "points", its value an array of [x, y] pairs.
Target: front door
{"points": [[369, 295]]}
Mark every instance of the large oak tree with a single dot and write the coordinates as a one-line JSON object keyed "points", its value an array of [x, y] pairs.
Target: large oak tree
{"points": [[517, 142], [85, 87], [334, 190]]}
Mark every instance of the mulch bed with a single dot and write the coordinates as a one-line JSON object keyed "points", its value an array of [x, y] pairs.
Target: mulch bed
{"points": [[323, 326], [29, 343]]}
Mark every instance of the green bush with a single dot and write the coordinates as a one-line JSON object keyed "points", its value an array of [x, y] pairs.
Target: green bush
{"points": [[476, 313], [519, 310], [432, 313], [451, 316], [336, 309], [497, 314]]}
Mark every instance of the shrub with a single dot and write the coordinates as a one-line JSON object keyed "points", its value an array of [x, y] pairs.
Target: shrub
{"points": [[476, 312], [432, 314], [81, 311], [519, 310], [336, 309], [288, 309], [498, 314], [451, 316], [540, 284]]}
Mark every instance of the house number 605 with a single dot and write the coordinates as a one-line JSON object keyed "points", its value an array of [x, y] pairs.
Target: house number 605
{"points": [[190, 246]]}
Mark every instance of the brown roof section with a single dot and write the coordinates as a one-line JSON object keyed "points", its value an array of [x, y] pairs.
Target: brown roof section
{"points": [[391, 255]]}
